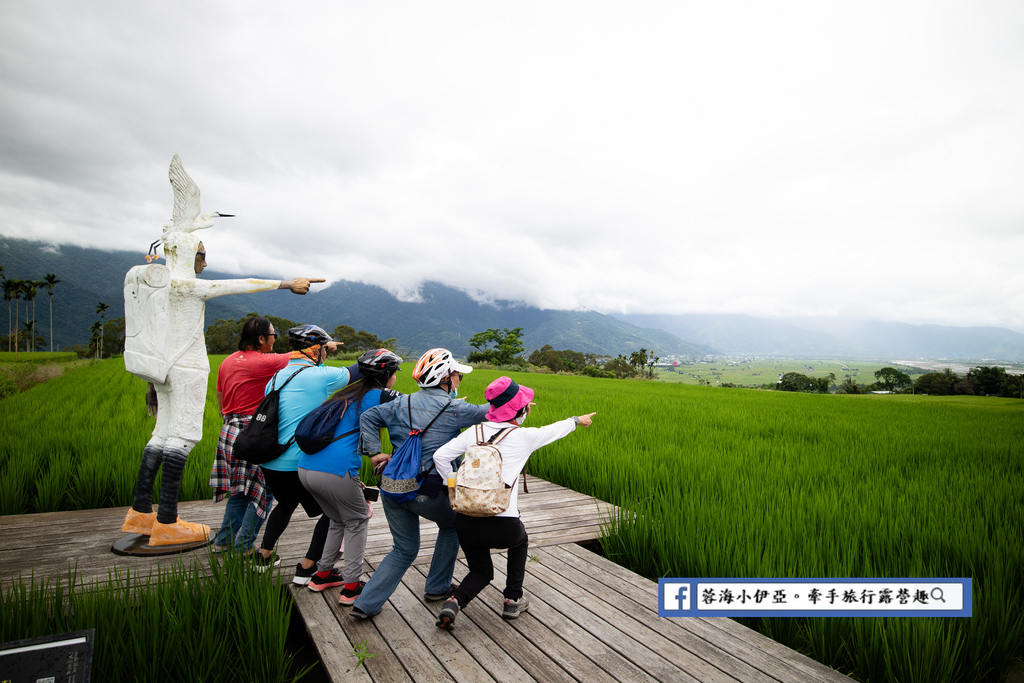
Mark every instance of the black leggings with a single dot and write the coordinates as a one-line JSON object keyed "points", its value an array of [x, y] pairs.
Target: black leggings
{"points": [[477, 535], [289, 493]]}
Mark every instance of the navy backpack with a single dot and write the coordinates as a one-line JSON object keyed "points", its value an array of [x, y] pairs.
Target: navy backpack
{"points": [[401, 478]]}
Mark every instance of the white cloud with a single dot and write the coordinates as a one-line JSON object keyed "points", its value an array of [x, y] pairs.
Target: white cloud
{"points": [[782, 158]]}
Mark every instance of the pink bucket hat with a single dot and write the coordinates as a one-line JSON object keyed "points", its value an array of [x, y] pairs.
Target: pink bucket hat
{"points": [[506, 398]]}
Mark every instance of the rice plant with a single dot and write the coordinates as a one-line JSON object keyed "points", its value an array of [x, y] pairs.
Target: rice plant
{"points": [[186, 625], [714, 483]]}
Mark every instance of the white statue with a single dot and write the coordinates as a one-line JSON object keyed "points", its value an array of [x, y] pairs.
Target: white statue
{"points": [[165, 308]]}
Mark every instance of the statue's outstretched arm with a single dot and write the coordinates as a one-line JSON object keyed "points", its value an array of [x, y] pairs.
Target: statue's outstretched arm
{"points": [[209, 289]]}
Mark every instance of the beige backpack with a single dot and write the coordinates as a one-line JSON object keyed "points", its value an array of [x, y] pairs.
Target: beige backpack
{"points": [[479, 489]]}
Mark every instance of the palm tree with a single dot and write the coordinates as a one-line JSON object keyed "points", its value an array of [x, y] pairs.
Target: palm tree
{"points": [[94, 340], [101, 308], [10, 286], [30, 335], [17, 291], [50, 281], [30, 288]]}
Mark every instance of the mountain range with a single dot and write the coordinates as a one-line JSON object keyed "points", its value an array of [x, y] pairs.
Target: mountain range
{"points": [[443, 316], [448, 317]]}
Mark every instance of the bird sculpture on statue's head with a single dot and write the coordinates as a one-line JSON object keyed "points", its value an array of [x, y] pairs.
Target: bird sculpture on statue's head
{"points": [[179, 245], [186, 216]]}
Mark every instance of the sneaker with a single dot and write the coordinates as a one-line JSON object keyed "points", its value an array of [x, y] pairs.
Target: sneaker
{"points": [[138, 522], [179, 532], [302, 575], [438, 597], [262, 564], [513, 608], [446, 619], [349, 595], [318, 583], [360, 614]]}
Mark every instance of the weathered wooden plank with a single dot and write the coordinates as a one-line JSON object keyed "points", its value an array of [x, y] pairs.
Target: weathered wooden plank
{"points": [[549, 607], [631, 637], [772, 658], [660, 632], [335, 650], [544, 655], [403, 642], [471, 657]]}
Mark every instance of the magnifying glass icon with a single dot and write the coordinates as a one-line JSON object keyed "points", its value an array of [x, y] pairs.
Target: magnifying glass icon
{"points": [[937, 594]]}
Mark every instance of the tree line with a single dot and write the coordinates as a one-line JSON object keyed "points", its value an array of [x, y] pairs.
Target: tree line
{"points": [[504, 349], [16, 290]]}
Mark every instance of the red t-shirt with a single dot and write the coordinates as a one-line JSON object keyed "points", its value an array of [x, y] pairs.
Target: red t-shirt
{"points": [[242, 378]]}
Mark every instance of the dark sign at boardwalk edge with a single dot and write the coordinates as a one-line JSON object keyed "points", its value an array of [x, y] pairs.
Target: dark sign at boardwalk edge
{"points": [[63, 658]]}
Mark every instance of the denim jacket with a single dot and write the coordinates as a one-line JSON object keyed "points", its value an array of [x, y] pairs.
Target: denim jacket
{"points": [[426, 403]]}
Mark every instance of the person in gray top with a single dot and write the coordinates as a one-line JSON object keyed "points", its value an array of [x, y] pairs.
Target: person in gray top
{"points": [[439, 376]]}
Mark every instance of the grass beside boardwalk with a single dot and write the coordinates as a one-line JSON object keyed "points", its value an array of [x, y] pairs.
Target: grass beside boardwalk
{"points": [[735, 483], [725, 483], [183, 626]]}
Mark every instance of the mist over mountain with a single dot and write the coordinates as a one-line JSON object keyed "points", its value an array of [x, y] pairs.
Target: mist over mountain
{"points": [[442, 317], [836, 337], [448, 317]]}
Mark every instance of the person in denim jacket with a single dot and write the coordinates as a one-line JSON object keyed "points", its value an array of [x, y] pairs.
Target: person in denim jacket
{"points": [[439, 376]]}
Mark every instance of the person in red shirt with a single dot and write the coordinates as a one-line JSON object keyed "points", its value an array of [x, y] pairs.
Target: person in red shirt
{"points": [[241, 381]]}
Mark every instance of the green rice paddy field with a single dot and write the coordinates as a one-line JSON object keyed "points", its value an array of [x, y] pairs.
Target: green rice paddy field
{"points": [[759, 371], [714, 482]]}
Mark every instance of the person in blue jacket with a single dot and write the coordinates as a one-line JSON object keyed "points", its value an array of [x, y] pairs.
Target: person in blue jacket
{"points": [[438, 374], [312, 384], [332, 474]]}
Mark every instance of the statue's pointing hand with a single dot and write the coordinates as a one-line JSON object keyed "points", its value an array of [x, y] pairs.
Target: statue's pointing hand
{"points": [[299, 285]]}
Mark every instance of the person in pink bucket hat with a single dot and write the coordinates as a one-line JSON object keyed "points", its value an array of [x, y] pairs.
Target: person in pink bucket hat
{"points": [[510, 405]]}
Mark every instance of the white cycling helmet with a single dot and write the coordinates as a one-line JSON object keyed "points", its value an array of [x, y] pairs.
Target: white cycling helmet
{"points": [[435, 365]]}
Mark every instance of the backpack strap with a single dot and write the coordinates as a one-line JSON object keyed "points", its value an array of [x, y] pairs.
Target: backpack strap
{"points": [[499, 435], [432, 421], [283, 385], [290, 377]]}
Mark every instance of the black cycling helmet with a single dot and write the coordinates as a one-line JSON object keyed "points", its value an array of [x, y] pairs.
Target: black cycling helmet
{"points": [[304, 336], [379, 364]]}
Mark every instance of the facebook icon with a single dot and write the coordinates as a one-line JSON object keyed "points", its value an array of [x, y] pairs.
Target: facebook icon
{"points": [[675, 598]]}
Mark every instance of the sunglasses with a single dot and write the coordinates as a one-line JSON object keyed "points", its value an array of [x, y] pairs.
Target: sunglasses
{"points": [[271, 334], [201, 255]]}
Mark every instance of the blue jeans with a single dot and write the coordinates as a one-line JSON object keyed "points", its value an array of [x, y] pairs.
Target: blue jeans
{"points": [[241, 520], [404, 520]]}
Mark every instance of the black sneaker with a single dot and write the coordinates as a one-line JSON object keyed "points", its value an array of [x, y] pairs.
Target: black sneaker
{"points": [[262, 564], [349, 595], [318, 583], [438, 597], [360, 614], [446, 619], [302, 576], [513, 608]]}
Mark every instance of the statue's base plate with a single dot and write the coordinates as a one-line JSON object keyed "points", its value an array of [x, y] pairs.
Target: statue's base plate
{"points": [[137, 545]]}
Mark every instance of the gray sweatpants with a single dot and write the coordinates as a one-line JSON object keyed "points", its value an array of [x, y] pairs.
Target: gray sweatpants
{"points": [[343, 502]]}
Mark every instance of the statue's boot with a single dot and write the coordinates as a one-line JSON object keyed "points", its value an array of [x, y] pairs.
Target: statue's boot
{"points": [[179, 532], [136, 522]]}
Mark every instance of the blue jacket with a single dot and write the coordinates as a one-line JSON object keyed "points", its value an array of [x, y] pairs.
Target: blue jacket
{"points": [[303, 394], [426, 403]]}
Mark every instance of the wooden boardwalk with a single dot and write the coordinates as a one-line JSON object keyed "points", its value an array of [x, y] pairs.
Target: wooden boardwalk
{"points": [[590, 620]]}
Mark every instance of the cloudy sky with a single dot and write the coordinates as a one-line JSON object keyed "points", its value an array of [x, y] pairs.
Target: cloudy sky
{"points": [[828, 158]]}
